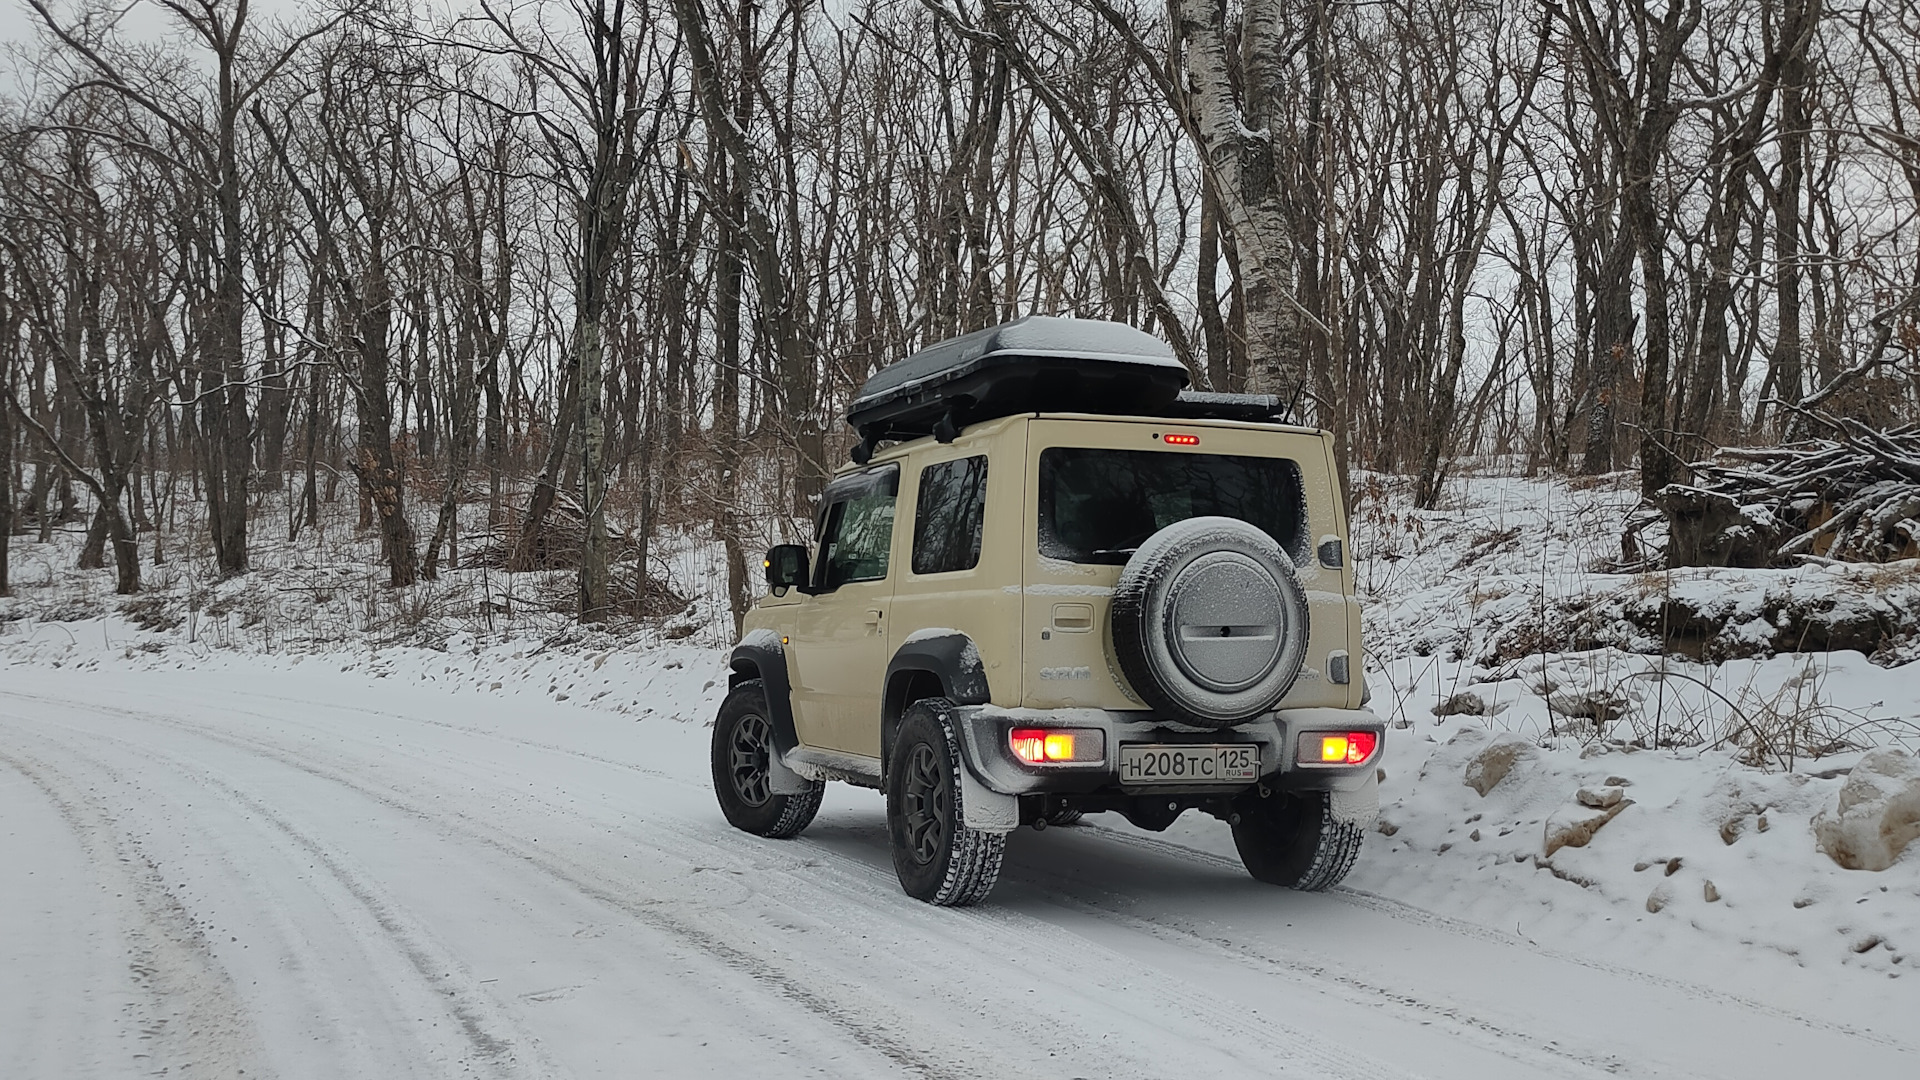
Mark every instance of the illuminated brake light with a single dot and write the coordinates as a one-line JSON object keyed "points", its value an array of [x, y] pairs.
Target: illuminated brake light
{"points": [[1360, 745], [1045, 746], [1181, 440], [1028, 746], [1345, 748]]}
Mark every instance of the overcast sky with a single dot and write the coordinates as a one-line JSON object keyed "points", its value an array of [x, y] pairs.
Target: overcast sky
{"points": [[18, 21], [146, 19]]}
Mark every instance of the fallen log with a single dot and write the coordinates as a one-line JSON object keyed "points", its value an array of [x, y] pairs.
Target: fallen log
{"points": [[1851, 497]]}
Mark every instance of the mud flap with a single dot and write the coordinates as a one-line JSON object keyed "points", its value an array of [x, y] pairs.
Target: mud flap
{"points": [[782, 780], [1360, 806], [985, 809]]}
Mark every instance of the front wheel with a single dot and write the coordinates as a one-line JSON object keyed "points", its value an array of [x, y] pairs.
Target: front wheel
{"points": [[937, 857], [1294, 840], [743, 769]]}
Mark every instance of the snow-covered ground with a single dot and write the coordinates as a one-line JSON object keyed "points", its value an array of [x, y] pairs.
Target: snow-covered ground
{"points": [[272, 865], [1726, 764], [250, 839]]}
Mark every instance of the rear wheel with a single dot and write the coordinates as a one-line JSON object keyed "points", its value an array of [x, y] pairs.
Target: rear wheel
{"points": [[937, 858], [1294, 841], [743, 769]]}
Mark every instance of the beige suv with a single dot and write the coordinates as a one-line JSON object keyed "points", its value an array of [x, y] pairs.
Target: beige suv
{"points": [[1054, 583]]}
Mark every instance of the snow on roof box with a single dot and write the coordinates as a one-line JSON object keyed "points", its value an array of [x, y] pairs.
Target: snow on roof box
{"points": [[1038, 363]]}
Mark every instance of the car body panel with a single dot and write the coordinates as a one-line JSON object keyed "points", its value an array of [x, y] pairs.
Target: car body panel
{"points": [[1070, 662]]}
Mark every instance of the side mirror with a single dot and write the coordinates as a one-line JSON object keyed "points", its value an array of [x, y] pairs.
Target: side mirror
{"points": [[787, 568]]}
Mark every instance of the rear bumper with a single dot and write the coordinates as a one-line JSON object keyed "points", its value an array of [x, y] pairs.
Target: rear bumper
{"points": [[983, 733]]}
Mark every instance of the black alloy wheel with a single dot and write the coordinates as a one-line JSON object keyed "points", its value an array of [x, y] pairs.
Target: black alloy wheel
{"points": [[752, 746], [742, 759], [937, 857], [929, 805]]}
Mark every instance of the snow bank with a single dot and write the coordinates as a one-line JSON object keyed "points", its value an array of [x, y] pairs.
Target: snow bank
{"points": [[1512, 566], [1548, 770]]}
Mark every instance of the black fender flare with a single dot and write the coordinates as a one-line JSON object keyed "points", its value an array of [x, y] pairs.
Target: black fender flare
{"points": [[950, 659], [760, 655]]}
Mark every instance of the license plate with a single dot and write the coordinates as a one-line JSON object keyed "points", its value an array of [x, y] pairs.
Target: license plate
{"points": [[1189, 764]]}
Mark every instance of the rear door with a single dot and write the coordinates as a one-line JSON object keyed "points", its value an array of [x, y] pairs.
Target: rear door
{"points": [[839, 640]]}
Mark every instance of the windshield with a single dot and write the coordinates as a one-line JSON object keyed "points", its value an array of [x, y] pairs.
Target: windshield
{"points": [[1097, 506]]}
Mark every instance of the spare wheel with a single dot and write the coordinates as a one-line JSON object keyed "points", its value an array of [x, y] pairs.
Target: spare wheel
{"points": [[1210, 622]]}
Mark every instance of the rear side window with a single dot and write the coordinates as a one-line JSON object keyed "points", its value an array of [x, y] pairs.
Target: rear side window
{"points": [[951, 514], [856, 529], [1098, 506]]}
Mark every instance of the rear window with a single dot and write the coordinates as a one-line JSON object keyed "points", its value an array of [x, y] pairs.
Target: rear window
{"points": [[1098, 506]]}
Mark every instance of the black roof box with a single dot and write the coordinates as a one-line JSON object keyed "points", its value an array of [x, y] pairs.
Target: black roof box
{"points": [[1039, 363]]}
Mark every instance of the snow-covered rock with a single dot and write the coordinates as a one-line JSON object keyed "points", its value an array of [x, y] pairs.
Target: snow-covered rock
{"points": [[1490, 766], [1464, 703], [1574, 824], [1876, 815], [1602, 798]]}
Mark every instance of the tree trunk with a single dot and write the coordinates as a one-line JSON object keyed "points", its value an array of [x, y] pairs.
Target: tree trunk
{"points": [[230, 457], [593, 475], [8, 333], [1611, 351], [1786, 360], [466, 402], [1233, 126], [380, 477], [1213, 326]]}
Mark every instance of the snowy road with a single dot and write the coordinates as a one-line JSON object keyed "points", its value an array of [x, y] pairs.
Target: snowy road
{"points": [[310, 874]]}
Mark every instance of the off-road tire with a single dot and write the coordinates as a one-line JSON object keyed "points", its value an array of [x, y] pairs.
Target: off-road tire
{"points": [[1065, 817], [937, 858], [742, 739], [1294, 841]]}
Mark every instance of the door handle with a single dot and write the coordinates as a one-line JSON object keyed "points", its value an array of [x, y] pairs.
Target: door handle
{"points": [[1073, 618], [873, 616]]}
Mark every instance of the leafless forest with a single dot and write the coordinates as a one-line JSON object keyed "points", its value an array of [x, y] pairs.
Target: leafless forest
{"points": [[613, 268]]}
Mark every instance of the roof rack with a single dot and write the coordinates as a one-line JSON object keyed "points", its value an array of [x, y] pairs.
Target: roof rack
{"points": [[1039, 363], [1254, 408]]}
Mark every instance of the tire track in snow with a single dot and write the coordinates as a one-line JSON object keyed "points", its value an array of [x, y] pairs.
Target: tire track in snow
{"points": [[471, 1009], [495, 736], [191, 1013], [1035, 946], [1407, 913], [479, 1023], [1033, 938], [651, 913], [1516, 1045], [1394, 909], [1039, 944]]}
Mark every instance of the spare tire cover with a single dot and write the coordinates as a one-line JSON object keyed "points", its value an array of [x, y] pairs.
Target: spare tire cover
{"points": [[1210, 622]]}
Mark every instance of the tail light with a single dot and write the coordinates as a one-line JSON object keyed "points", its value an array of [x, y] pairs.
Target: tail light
{"points": [[1337, 747], [1057, 746]]}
